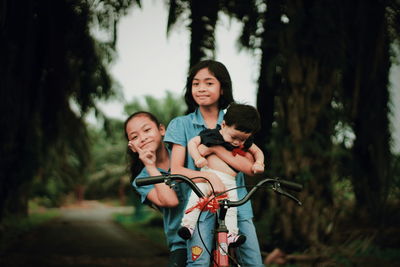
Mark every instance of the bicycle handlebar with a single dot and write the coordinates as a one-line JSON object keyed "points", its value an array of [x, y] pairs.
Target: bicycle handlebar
{"points": [[276, 186], [166, 178]]}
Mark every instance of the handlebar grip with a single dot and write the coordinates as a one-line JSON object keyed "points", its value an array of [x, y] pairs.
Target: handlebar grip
{"points": [[150, 180], [291, 185]]}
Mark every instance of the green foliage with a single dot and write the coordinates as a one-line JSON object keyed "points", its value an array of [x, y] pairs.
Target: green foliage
{"points": [[264, 226], [56, 72], [150, 225], [164, 109], [65, 165], [97, 158], [365, 253], [107, 173]]}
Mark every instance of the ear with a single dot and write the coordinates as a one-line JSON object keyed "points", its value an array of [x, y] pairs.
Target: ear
{"points": [[161, 128], [223, 124]]}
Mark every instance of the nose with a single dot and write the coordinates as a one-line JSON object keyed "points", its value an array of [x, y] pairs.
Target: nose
{"points": [[238, 142], [201, 87], [143, 138]]}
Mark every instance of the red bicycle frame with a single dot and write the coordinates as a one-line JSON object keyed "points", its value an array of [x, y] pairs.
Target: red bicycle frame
{"points": [[220, 255]]}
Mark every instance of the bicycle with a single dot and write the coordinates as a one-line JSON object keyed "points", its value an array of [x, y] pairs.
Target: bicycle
{"points": [[220, 256]]}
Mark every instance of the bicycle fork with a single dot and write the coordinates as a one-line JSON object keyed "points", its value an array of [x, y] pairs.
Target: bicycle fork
{"points": [[221, 257]]}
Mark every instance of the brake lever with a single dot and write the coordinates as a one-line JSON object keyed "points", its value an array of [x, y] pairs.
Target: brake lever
{"points": [[278, 189], [171, 183]]}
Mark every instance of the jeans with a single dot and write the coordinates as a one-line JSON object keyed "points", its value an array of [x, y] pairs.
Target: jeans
{"points": [[177, 258], [248, 254]]}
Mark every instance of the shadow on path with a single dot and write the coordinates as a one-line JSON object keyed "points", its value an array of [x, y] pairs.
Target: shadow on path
{"points": [[84, 235]]}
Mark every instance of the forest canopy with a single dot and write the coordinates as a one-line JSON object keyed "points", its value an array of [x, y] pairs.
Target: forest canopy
{"points": [[324, 72]]}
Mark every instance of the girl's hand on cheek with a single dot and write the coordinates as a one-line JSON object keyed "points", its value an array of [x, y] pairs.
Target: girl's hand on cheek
{"points": [[147, 157], [130, 145]]}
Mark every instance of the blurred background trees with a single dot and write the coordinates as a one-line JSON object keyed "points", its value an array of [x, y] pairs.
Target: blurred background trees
{"points": [[52, 73], [323, 95]]}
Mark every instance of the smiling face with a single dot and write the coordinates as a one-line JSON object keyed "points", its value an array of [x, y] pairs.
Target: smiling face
{"points": [[206, 89], [143, 133], [235, 137]]}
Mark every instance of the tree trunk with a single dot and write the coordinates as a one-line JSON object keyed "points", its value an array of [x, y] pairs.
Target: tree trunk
{"points": [[367, 82], [310, 75], [268, 85], [204, 16], [19, 135], [303, 110]]}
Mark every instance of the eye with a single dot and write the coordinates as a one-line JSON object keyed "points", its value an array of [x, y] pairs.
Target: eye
{"points": [[147, 130], [210, 84], [195, 84], [133, 138], [238, 139]]}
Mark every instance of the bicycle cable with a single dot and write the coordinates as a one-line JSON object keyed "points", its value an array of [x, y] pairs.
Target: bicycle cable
{"points": [[198, 222], [203, 209]]}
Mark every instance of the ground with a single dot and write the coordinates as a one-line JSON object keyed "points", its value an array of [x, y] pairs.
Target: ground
{"points": [[84, 235]]}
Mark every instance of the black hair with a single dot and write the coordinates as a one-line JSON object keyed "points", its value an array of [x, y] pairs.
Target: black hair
{"points": [[221, 73], [244, 118], [135, 165]]}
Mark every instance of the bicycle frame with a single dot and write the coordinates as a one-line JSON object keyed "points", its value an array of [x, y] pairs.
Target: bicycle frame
{"points": [[220, 255]]}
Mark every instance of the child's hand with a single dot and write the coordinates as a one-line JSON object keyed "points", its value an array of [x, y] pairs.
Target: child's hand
{"points": [[257, 167], [200, 162], [130, 145], [216, 182], [204, 150], [146, 156]]}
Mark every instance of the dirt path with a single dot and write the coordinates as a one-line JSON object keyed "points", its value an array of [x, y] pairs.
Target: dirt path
{"points": [[84, 236]]}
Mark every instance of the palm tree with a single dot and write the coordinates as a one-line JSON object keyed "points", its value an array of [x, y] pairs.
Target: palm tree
{"points": [[165, 109], [52, 72], [372, 29], [306, 53], [203, 18], [313, 102]]}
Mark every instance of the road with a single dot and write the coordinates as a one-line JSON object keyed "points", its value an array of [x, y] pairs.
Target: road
{"points": [[84, 235]]}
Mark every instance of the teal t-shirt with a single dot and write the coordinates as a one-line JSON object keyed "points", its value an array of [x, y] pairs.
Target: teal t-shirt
{"points": [[172, 217], [183, 128]]}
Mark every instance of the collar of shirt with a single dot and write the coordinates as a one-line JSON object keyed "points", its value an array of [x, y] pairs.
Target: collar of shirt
{"points": [[198, 118]]}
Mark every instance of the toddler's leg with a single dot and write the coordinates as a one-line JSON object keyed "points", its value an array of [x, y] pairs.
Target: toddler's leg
{"points": [[234, 239], [189, 220]]}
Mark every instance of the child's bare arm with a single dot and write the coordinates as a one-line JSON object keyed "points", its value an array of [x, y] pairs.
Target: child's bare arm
{"points": [[198, 159], [178, 156], [240, 163], [258, 166]]}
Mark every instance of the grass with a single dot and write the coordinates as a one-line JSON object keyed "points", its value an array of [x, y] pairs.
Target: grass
{"points": [[147, 222], [365, 253], [13, 227]]}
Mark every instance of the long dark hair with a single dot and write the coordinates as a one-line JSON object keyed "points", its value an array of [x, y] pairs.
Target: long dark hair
{"points": [[135, 165], [221, 73]]}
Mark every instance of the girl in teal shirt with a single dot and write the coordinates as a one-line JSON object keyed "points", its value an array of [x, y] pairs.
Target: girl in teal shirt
{"points": [[149, 156], [208, 93]]}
